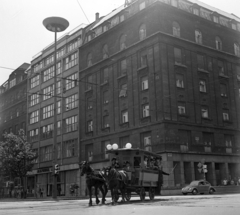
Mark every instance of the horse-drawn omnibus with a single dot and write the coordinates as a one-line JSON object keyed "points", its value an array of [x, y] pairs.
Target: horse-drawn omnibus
{"points": [[142, 176]]}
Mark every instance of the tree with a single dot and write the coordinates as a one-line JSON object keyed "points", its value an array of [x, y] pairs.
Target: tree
{"points": [[16, 156]]}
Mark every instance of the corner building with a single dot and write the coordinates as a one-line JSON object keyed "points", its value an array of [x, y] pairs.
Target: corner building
{"points": [[165, 76]]}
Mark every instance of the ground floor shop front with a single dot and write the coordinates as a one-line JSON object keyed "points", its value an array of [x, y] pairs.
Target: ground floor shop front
{"points": [[184, 168]]}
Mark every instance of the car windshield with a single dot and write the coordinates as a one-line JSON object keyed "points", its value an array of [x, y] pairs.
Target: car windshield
{"points": [[194, 183]]}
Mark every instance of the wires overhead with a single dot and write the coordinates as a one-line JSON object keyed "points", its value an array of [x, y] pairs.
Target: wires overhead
{"points": [[82, 11]]}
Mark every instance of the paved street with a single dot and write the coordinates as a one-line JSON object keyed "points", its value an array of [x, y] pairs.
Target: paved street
{"points": [[192, 205]]}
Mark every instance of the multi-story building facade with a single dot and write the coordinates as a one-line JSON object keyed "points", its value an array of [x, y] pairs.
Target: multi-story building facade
{"points": [[41, 102], [13, 101], [164, 76], [13, 110]]}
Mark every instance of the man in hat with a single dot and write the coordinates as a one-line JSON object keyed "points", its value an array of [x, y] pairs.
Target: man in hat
{"points": [[160, 173], [115, 163]]}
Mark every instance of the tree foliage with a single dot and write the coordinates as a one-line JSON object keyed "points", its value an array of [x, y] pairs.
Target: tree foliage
{"points": [[16, 155]]}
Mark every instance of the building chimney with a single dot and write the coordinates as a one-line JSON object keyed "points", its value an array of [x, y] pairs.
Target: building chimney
{"points": [[96, 16]]}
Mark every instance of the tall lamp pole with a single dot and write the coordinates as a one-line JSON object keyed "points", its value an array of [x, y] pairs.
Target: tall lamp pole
{"points": [[55, 24]]}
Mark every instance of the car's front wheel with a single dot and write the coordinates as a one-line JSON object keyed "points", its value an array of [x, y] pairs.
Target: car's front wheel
{"points": [[194, 192], [211, 191]]}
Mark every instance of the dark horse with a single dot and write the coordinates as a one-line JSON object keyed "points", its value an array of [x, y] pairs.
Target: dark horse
{"points": [[94, 179], [117, 180]]}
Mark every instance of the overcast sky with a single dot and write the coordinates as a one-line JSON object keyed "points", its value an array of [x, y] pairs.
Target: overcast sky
{"points": [[22, 34]]}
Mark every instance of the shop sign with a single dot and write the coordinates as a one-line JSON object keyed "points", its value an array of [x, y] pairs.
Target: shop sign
{"points": [[42, 170]]}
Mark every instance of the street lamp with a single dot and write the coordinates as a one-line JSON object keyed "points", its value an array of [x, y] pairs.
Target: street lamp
{"points": [[55, 24]]}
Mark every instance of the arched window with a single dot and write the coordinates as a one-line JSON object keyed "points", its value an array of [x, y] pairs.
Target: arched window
{"points": [[176, 29], [105, 51], [198, 36], [237, 49], [122, 42], [142, 32], [218, 42], [89, 59]]}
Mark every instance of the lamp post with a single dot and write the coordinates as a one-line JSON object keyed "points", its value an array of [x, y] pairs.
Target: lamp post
{"points": [[55, 24]]}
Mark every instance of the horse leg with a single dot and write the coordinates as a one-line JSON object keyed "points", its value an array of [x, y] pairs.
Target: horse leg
{"points": [[113, 196], [96, 194], [90, 195], [105, 191], [103, 194]]}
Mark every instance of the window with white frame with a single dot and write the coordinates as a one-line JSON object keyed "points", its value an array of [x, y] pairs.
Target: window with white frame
{"points": [[105, 51], [223, 90], [218, 42], [196, 11], [49, 60], [204, 111], [89, 59], [46, 153], [123, 67], [73, 45], [71, 81], [142, 5], [59, 107], [34, 117], [70, 61], [122, 42], [89, 152], [145, 110], [47, 131], [178, 55], [142, 32], [123, 90], [124, 116], [38, 66], [12, 83], [146, 139], [105, 75], [71, 124], [104, 149], [202, 86], [198, 36], [144, 83], [106, 123], [59, 68], [106, 97], [60, 53], [179, 81], [181, 108], [48, 74], [89, 126], [176, 29], [70, 148], [71, 102], [144, 60], [48, 92], [58, 87], [201, 61], [221, 70], [229, 140], [89, 82], [34, 81], [237, 49], [89, 103], [34, 99], [225, 115], [33, 135], [48, 111], [59, 127], [215, 19]]}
